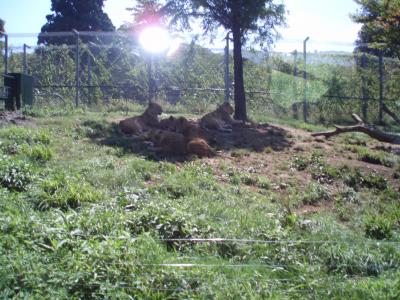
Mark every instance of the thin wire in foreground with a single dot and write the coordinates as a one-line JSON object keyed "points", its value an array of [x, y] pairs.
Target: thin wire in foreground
{"points": [[256, 241]]}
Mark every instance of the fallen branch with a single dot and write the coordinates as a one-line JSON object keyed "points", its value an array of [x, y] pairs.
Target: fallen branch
{"points": [[361, 126], [390, 113]]}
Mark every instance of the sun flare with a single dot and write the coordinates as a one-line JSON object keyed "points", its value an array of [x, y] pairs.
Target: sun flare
{"points": [[155, 39]]}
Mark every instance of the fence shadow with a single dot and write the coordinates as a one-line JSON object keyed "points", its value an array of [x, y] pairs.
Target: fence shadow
{"points": [[250, 137]]}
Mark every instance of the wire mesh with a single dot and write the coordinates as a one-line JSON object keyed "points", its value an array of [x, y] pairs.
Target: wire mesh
{"points": [[113, 66]]}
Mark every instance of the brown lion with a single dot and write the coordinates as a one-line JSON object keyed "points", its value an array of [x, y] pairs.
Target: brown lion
{"points": [[219, 119], [176, 143], [168, 142], [144, 122]]}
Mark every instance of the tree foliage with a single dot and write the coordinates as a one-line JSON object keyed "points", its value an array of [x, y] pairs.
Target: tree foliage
{"points": [[380, 29], [246, 20], [2, 23], [82, 15]]}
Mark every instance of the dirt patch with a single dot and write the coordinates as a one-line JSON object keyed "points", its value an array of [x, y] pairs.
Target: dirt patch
{"points": [[13, 117]]}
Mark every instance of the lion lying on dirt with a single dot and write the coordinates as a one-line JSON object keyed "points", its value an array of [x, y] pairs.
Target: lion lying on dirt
{"points": [[177, 143], [144, 122], [219, 119]]}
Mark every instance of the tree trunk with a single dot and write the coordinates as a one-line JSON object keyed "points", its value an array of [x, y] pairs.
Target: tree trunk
{"points": [[240, 98]]}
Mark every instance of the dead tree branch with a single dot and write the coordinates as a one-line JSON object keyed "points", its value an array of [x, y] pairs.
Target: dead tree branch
{"points": [[361, 126]]}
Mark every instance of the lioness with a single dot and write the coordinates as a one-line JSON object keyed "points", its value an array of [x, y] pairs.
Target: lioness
{"points": [[147, 120], [176, 143], [219, 119]]}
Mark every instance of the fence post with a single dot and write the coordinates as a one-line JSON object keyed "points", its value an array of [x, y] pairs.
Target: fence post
{"points": [[380, 87], [305, 109], [150, 77], [90, 89], [24, 63], [226, 70], [77, 69], [295, 109], [5, 53], [364, 104]]}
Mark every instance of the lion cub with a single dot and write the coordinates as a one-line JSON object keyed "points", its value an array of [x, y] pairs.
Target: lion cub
{"points": [[219, 119], [146, 121]]}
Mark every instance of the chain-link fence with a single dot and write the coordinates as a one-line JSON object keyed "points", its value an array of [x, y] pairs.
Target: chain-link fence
{"points": [[99, 68]]}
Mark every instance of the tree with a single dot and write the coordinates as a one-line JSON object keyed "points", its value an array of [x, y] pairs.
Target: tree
{"points": [[2, 30], [82, 15], [380, 29], [254, 21]]}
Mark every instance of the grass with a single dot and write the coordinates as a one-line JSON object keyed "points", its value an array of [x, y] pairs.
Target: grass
{"points": [[82, 215]]}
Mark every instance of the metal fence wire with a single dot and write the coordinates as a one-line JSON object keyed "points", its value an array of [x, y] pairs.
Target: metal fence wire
{"points": [[98, 68]]}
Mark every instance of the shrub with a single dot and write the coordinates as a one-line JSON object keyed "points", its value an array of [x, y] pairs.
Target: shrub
{"points": [[378, 158], [15, 175], [239, 153], [40, 153], [63, 191], [378, 227], [22, 135], [355, 179], [300, 163], [315, 193], [324, 173], [166, 221]]}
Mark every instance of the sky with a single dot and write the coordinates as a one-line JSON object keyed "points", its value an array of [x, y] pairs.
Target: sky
{"points": [[326, 22]]}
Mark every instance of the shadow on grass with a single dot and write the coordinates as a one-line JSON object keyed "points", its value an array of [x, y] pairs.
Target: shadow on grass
{"points": [[255, 137]]}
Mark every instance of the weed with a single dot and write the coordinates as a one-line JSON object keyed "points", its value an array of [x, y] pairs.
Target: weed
{"points": [[300, 163], [239, 153], [373, 157], [315, 193], [15, 175], [167, 221], [356, 179], [348, 195], [378, 227], [39, 153], [21, 135], [64, 191]]}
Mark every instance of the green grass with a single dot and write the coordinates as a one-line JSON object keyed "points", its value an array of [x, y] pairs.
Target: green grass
{"points": [[84, 214]]}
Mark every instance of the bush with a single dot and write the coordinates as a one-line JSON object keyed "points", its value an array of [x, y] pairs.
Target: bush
{"points": [[63, 191], [15, 175], [315, 193], [378, 227], [22, 135], [300, 163], [355, 179], [166, 222], [372, 157], [40, 153]]}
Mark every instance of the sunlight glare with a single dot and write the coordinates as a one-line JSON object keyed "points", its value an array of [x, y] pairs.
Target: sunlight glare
{"points": [[174, 46], [155, 39]]}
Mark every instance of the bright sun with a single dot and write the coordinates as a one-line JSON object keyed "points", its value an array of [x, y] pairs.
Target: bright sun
{"points": [[155, 39]]}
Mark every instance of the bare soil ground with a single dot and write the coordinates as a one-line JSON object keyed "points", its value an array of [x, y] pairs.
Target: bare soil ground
{"points": [[13, 117]]}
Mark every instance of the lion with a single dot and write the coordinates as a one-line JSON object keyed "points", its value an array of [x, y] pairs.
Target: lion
{"points": [[219, 119], [144, 122], [199, 147], [168, 142], [176, 143]]}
